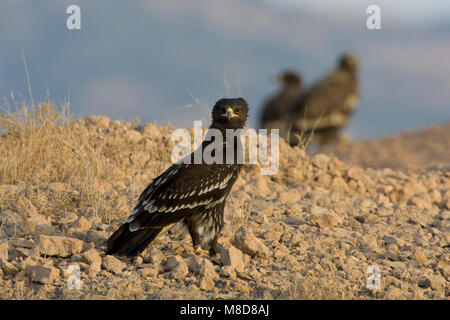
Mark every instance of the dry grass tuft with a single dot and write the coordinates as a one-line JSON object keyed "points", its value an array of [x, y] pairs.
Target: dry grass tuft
{"points": [[64, 165]]}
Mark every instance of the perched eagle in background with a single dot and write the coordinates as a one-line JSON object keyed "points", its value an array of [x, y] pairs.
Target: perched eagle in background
{"points": [[327, 106], [192, 193], [276, 107]]}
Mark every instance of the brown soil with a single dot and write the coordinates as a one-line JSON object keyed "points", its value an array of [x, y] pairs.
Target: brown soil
{"points": [[315, 230]]}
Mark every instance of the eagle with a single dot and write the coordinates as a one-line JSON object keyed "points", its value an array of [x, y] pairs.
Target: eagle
{"points": [[194, 193], [276, 107], [327, 106]]}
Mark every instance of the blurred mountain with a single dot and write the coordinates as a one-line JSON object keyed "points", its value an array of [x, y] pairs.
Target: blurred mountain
{"points": [[147, 59]]}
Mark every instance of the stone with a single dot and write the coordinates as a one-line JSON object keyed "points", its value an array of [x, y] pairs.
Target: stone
{"points": [[82, 223], [4, 251], [45, 229], [207, 269], [246, 241], [437, 282], [194, 263], [8, 268], [112, 264], [394, 293], [421, 201], [96, 236], [97, 121], [25, 208], [177, 267], [320, 161], [420, 257], [58, 246], [42, 274], [133, 136], [326, 219], [228, 272], [153, 256], [94, 260], [206, 284], [355, 173], [231, 256], [289, 197], [148, 272]]}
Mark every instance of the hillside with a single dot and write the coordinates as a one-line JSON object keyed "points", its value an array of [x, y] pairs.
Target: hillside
{"points": [[309, 232]]}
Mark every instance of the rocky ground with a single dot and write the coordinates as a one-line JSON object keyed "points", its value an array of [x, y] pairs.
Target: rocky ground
{"points": [[318, 229]]}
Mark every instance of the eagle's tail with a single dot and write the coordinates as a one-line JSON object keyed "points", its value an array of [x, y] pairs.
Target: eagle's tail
{"points": [[128, 243]]}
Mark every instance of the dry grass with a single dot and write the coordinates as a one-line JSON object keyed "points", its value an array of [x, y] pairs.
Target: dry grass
{"points": [[42, 146]]}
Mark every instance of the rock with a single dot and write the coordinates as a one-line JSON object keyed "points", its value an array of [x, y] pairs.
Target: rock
{"points": [[133, 136], [4, 251], [58, 246], [421, 200], [113, 264], [326, 219], [206, 284], [194, 264], [153, 256], [177, 267], [82, 223], [231, 256], [28, 216], [443, 266], [42, 274], [148, 272], [262, 188], [437, 282], [25, 208], [446, 204], [207, 270], [96, 236], [289, 197], [424, 283], [355, 173], [94, 260], [435, 196], [420, 257], [45, 229], [97, 121], [228, 272], [8, 268], [320, 161], [394, 293], [249, 244]]}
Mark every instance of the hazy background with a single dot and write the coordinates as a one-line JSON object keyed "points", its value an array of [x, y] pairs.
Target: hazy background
{"points": [[146, 58]]}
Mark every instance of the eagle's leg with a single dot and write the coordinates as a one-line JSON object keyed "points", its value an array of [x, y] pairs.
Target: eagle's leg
{"points": [[195, 239], [213, 247]]}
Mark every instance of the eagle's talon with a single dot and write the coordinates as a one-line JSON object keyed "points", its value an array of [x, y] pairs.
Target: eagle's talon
{"points": [[201, 252]]}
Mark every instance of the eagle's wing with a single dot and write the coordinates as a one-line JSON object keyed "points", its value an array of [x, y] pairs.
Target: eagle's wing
{"points": [[180, 190], [325, 104]]}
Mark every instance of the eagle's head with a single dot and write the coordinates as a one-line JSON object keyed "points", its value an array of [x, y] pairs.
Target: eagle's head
{"points": [[289, 79], [230, 113], [348, 62]]}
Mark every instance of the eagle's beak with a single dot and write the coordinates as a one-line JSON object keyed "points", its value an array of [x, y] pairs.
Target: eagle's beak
{"points": [[230, 113]]}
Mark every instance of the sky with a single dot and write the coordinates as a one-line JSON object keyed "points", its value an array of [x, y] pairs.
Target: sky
{"points": [[169, 61]]}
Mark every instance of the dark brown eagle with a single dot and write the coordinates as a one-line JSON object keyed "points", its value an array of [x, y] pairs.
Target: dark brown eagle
{"points": [[192, 193], [327, 106], [276, 107]]}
